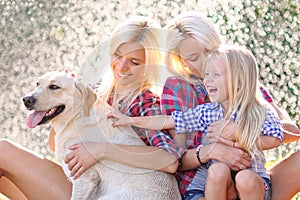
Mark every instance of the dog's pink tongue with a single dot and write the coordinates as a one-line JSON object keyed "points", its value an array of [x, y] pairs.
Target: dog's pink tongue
{"points": [[34, 118]]}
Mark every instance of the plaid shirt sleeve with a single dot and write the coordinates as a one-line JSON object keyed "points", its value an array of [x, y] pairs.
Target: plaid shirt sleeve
{"points": [[267, 96], [180, 95], [147, 104], [271, 126], [170, 101]]}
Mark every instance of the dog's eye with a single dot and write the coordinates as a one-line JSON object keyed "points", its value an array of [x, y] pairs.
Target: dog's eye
{"points": [[53, 87], [37, 84]]}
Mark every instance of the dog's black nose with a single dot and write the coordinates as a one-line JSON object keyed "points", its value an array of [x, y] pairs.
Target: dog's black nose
{"points": [[29, 101]]}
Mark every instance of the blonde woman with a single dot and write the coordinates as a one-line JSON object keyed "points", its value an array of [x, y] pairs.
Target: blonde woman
{"points": [[231, 80], [189, 37], [128, 89]]}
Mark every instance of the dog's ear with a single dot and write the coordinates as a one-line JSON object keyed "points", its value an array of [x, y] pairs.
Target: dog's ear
{"points": [[88, 96]]}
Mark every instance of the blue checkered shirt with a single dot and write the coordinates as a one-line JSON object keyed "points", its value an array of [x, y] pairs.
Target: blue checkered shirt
{"points": [[200, 117]]}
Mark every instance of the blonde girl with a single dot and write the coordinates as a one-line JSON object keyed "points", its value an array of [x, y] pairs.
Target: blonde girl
{"points": [[243, 103], [231, 80]]}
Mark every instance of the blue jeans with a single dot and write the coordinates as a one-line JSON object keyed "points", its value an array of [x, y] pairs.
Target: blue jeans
{"points": [[193, 194], [196, 194]]}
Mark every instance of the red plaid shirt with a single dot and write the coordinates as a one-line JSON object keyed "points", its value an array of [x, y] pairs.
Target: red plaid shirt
{"points": [[148, 104], [266, 94], [179, 94]]}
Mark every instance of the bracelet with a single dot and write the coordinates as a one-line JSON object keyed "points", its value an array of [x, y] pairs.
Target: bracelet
{"points": [[197, 154]]}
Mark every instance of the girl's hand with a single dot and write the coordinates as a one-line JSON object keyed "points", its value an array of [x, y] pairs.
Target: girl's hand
{"points": [[82, 157], [224, 141], [120, 119], [228, 132]]}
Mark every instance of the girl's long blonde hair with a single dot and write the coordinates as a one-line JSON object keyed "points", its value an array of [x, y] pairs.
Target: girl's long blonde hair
{"points": [[145, 32], [245, 99], [189, 25]]}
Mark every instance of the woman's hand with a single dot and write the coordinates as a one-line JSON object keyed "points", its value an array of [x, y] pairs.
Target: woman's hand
{"points": [[82, 157], [52, 139], [235, 158]]}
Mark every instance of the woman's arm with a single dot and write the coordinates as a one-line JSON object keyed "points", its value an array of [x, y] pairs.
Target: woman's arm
{"points": [[85, 155], [227, 136], [161, 155], [269, 142], [233, 157], [289, 128], [180, 140], [266, 142]]}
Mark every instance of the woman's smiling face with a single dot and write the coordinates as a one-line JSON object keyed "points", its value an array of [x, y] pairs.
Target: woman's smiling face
{"points": [[192, 54], [128, 63]]}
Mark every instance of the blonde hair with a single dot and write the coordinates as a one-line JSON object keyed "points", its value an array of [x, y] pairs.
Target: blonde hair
{"points": [[189, 25], [144, 32], [244, 97]]}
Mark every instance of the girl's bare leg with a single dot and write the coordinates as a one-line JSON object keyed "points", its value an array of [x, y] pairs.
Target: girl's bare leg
{"points": [[249, 185], [219, 183], [285, 177], [36, 177]]}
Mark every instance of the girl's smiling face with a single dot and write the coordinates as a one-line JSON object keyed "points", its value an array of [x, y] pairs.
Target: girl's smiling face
{"points": [[128, 63], [215, 80]]}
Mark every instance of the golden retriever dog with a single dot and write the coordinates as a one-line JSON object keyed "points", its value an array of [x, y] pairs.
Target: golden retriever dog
{"points": [[77, 115]]}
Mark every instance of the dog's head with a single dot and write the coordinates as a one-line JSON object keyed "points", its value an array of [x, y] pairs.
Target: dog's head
{"points": [[58, 95]]}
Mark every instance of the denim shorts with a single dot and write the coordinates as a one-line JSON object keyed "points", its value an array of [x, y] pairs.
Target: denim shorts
{"points": [[268, 188], [193, 194], [196, 194]]}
